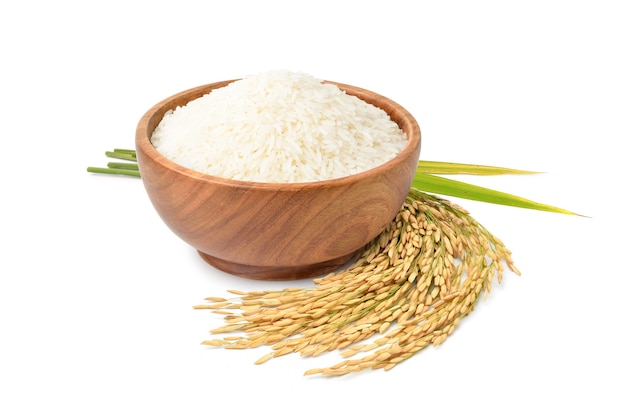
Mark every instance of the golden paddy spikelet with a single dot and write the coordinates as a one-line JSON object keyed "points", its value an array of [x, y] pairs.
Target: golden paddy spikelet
{"points": [[407, 289]]}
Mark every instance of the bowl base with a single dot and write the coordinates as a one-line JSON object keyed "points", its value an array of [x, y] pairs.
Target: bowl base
{"points": [[276, 273]]}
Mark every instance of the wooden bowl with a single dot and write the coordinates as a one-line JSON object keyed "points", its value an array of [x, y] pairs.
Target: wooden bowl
{"points": [[276, 231]]}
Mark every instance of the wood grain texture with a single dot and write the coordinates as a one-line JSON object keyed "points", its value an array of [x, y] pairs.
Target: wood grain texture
{"points": [[276, 231]]}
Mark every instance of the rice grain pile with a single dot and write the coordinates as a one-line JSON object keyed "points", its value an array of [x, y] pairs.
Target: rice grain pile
{"points": [[280, 127], [407, 289]]}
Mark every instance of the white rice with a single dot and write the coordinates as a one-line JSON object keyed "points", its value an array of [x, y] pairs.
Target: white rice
{"points": [[280, 127]]}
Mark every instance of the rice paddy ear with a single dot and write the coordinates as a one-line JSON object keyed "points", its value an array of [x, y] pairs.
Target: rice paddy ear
{"points": [[407, 290]]}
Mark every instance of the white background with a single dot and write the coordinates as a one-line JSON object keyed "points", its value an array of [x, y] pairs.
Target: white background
{"points": [[96, 294]]}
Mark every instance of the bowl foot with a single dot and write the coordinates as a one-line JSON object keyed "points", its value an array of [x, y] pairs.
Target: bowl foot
{"points": [[276, 273]]}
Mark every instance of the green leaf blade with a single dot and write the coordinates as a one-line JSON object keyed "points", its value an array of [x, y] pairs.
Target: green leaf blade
{"points": [[118, 171], [127, 155], [124, 165], [446, 186], [439, 167]]}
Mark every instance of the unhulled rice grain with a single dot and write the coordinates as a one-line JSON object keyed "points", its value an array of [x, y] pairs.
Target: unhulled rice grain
{"points": [[388, 305]]}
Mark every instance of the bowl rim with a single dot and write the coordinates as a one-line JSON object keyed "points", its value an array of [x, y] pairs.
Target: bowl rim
{"points": [[143, 141]]}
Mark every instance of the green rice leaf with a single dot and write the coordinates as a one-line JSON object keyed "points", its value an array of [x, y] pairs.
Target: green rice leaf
{"points": [[128, 155], [124, 165], [438, 167], [446, 186], [118, 171]]}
